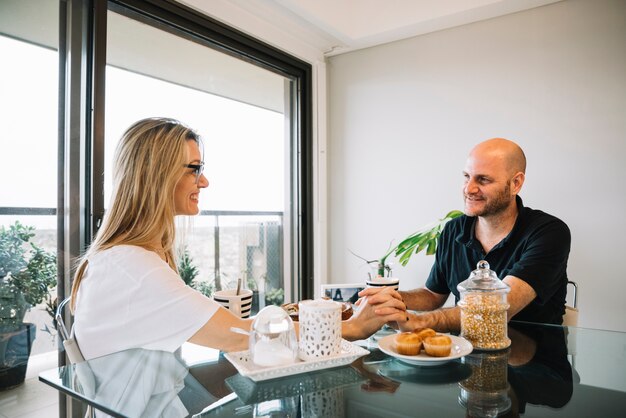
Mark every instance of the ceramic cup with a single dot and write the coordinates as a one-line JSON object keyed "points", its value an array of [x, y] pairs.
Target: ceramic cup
{"points": [[382, 282], [392, 282], [239, 305], [320, 329]]}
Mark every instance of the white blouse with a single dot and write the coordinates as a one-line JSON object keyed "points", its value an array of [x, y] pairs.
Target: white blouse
{"points": [[130, 298]]}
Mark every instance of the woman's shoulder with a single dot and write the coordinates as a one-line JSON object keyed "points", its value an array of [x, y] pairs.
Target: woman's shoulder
{"points": [[122, 250], [123, 255], [122, 262]]}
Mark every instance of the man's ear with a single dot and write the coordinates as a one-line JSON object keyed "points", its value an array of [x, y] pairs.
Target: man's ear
{"points": [[517, 181]]}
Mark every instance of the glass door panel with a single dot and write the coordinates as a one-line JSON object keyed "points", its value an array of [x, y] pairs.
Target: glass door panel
{"points": [[239, 111], [28, 171]]}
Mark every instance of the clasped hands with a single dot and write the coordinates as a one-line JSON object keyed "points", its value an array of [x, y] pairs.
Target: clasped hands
{"points": [[380, 306]]}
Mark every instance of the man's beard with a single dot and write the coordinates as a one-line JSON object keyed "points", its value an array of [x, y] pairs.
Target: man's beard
{"points": [[496, 205]]}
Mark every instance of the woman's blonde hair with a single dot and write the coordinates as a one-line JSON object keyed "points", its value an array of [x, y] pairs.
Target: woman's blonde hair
{"points": [[148, 163]]}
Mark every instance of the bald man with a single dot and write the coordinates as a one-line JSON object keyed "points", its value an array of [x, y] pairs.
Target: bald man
{"points": [[527, 248]]}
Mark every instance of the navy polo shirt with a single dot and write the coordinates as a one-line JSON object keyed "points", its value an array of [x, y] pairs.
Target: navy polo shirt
{"points": [[535, 251]]}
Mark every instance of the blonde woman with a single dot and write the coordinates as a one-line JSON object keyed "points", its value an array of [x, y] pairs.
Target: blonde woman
{"points": [[127, 292]]}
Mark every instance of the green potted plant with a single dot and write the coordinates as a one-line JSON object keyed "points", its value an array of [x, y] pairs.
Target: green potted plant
{"points": [[27, 273], [424, 239], [186, 268], [189, 272]]}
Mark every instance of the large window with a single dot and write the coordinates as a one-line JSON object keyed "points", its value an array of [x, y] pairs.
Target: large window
{"points": [[240, 110], [28, 164], [251, 105], [76, 73], [249, 102]]}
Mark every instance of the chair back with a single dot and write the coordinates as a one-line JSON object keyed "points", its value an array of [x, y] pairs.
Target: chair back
{"points": [[72, 351], [69, 342], [570, 318]]}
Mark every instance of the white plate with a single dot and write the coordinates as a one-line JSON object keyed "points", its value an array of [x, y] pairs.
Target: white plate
{"points": [[244, 365], [460, 347]]}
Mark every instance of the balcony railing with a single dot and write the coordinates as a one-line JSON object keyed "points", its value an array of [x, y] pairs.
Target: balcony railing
{"points": [[223, 245]]}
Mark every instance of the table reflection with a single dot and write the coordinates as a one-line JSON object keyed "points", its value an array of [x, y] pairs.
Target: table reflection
{"points": [[534, 370], [531, 378], [547, 377], [485, 392], [142, 383]]}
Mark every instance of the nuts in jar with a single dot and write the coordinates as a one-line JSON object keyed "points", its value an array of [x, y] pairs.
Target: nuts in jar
{"points": [[484, 309], [484, 321]]}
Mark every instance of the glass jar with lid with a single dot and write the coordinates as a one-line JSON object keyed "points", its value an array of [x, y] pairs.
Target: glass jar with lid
{"points": [[484, 309]]}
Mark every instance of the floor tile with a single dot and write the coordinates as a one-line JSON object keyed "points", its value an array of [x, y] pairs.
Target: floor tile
{"points": [[51, 411], [28, 398]]}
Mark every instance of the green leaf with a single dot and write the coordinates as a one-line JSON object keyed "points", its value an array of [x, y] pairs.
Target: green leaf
{"points": [[432, 247], [423, 239], [453, 214], [405, 258]]}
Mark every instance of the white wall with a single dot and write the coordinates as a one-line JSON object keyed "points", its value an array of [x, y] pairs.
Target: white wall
{"points": [[403, 116]]}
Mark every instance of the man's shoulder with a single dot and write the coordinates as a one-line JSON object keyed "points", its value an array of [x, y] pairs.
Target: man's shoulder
{"points": [[539, 219]]}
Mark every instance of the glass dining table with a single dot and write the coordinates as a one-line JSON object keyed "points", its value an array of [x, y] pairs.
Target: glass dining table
{"points": [[547, 371]]}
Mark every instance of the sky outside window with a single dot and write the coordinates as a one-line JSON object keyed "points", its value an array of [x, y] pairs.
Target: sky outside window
{"points": [[244, 144], [28, 116]]}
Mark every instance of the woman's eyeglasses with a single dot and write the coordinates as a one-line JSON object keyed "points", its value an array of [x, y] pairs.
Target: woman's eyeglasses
{"points": [[197, 170]]}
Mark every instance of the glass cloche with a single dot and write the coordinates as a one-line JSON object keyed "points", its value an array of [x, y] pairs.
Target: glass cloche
{"points": [[273, 339]]}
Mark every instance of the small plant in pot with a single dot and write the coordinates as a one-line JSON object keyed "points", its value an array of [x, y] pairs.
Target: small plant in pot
{"points": [[424, 239], [27, 273]]}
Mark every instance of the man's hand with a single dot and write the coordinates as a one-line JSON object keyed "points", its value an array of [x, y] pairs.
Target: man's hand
{"points": [[414, 321], [441, 320]]}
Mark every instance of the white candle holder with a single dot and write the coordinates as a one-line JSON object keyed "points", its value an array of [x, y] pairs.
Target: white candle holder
{"points": [[320, 329]]}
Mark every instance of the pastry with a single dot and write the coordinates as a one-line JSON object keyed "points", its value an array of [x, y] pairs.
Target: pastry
{"points": [[346, 311], [408, 344], [438, 345], [424, 333], [292, 309], [294, 312]]}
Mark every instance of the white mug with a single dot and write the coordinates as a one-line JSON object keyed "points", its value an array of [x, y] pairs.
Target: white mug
{"points": [[239, 305]]}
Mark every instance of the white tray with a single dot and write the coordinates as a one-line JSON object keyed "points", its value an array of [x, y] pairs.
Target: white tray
{"points": [[244, 365]]}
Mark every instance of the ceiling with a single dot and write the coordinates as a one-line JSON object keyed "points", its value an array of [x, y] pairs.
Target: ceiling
{"points": [[339, 26]]}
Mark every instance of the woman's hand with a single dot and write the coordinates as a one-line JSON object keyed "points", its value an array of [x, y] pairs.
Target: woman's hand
{"points": [[380, 295], [370, 317]]}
